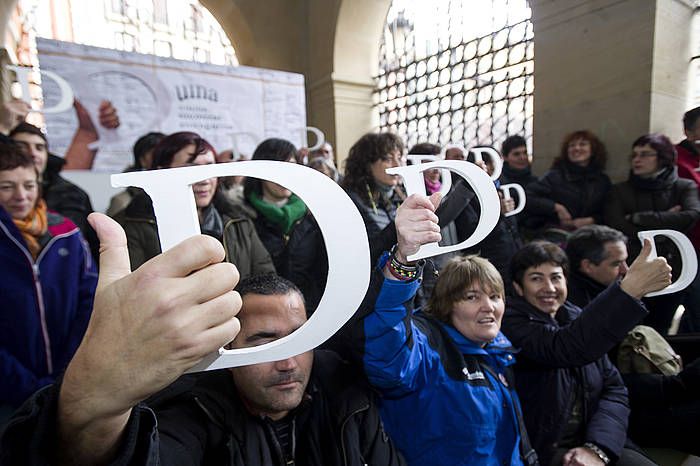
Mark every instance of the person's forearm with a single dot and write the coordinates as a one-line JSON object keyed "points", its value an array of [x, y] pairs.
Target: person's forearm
{"points": [[89, 425], [79, 156], [88, 441]]}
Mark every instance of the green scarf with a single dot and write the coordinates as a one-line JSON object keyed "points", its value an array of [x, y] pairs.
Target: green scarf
{"points": [[286, 216]]}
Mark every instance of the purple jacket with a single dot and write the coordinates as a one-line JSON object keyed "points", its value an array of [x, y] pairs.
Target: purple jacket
{"points": [[45, 305]]}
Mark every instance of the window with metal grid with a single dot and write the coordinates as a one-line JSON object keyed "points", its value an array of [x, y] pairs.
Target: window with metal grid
{"points": [[456, 71]]}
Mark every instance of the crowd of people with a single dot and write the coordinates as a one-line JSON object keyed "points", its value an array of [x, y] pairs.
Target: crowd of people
{"points": [[514, 351]]}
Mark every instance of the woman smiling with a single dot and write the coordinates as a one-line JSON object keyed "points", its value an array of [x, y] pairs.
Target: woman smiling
{"points": [[48, 284], [444, 374]]}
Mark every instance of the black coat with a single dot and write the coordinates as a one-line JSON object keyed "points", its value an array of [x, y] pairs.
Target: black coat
{"points": [[299, 256], [582, 289], [69, 200], [664, 411], [581, 190], [558, 355], [200, 421], [642, 204]]}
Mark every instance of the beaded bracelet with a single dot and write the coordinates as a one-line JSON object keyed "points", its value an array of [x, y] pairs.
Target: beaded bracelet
{"points": [[401, 271], [598, 451]]}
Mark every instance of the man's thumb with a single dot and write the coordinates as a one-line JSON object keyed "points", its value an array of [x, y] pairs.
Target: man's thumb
{"points": [[114, 255], [435, 199], [646, 249]]}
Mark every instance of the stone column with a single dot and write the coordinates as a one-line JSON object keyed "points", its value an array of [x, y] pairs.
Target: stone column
{"points": [[618, 68]]}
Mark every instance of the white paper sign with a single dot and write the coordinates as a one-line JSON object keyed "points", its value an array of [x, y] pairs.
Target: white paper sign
{"points": [[153, 93]]}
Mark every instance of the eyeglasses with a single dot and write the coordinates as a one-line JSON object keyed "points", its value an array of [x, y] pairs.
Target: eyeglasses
{"points": [[644, 154]]}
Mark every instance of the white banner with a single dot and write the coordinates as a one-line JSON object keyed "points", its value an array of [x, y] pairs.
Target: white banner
{"points": [[231, 107]]}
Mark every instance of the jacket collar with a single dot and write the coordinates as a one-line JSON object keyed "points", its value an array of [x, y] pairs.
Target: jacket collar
{"points": [[690, 147], [565, 314], [500, 345], [592, 287]]}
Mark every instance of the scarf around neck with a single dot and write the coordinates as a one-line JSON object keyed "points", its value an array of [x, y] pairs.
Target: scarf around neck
{"points": [[432, 186], [33, 226], [284, 217]]}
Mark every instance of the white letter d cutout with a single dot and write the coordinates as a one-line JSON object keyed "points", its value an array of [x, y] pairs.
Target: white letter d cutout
{"points": [[341, 225]]}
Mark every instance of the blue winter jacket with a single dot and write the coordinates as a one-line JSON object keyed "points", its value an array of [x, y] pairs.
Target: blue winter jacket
{"points": [[45, 305], [446, 400]]}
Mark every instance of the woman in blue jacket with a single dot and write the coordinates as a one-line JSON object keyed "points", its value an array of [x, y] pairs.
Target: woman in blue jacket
{"points": [[48, 284], [445, 374]]}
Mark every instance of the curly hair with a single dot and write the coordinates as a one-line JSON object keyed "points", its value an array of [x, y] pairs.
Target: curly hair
{"points": [[367, 150], [599, 153]]}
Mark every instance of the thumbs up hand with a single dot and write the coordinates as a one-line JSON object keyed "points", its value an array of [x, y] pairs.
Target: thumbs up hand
{"points": [[416, 224], [146, 329], [646, 275]]}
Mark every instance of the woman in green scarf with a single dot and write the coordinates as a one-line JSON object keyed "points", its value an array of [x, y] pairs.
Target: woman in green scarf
{"points": [[286, 227]]}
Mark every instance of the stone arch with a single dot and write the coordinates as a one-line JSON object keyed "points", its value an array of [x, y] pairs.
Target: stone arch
{"points": [[355, 53], [236, 27]]}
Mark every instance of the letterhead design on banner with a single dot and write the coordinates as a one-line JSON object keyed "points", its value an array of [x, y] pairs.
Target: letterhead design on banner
{"points": [[232, 107]]}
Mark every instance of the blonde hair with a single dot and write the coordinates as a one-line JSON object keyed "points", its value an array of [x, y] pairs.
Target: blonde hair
{"points": [[456, 278]]}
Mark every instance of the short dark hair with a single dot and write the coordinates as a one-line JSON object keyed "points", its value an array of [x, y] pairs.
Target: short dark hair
{"points": [[367, 150], [165, 150], [25, 127], [690, 118], [268, 284], [512, 142], [12, 156], [143, 144], [275, 149], [588, 242], [599, 153], [534, 255], [665, 150], [425, 148]]}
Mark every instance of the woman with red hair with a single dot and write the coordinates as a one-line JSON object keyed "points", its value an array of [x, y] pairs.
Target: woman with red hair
{"points": [[571, 194], [217, 217]]}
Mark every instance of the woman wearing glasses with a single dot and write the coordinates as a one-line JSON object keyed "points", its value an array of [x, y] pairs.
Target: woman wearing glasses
{"points": [[654, 197]]}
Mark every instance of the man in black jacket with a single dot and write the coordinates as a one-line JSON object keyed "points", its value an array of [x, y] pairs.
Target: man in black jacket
{"points": [[60, 195], [309, 409], [598, 258], [665, 409]]}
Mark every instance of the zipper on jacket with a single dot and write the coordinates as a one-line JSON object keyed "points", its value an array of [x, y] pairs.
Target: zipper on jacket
{"points": [[342, 430], [42, 317], [276, 444], [37, 287]]}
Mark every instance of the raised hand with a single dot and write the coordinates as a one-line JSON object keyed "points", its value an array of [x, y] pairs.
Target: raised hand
{"points": [[416, 224], [646, 275], [147, 328]]}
